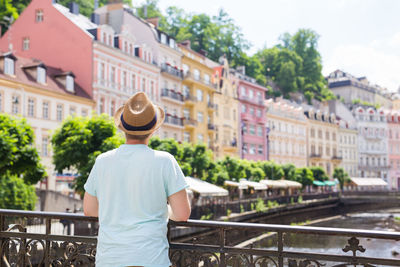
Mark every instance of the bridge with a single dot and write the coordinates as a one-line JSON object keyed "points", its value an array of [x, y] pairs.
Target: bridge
{"points": [[40, 239]]}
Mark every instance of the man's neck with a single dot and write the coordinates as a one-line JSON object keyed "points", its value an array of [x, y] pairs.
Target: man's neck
{"points": [[137, 142]]}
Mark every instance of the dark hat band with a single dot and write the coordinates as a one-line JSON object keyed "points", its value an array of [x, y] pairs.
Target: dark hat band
{"points": [[146, 127]]}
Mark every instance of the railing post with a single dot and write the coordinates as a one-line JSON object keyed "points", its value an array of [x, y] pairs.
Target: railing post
{"points": [[2, 228], [222, 247], [280, 249], [48, 232]]}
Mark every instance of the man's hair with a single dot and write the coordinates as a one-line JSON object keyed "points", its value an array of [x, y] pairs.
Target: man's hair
{"points": [[137, 137]]}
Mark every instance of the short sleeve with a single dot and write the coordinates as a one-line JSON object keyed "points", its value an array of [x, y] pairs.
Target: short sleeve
{"points": [[174, 177], [90, 185]]}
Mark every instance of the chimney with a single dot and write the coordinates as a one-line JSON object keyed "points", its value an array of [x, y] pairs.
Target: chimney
{"points": [[154, 21], [74, 8], [241, 69], [186, 43], [96, 4], [95, 18], [203, 52]]}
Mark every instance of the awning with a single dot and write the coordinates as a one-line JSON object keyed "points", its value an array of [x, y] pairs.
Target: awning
{"points": [[330, 183], [204, 188], [318, 183], [255, 185], [274, 184], [236, 184], [359, 181], [292, 184]]}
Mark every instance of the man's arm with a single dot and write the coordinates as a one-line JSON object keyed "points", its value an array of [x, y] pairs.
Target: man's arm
{"points": [[90, 205], [179, 206]]}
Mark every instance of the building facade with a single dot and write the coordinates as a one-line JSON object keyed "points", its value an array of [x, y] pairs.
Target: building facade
{"points": [[372, 142], [287, 133], [322, 142], [253, 139], [348, 147], [198, 90], [393, 120], [45, 96], [226, 115]]}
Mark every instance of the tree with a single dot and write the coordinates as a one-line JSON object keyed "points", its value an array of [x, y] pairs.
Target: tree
{"points": [[342, 176], [289, 171], [18, 155], [319, 173], [15, 194], [272, 170], [8, 12], [233, 167], [79, 141], [304, 176]]}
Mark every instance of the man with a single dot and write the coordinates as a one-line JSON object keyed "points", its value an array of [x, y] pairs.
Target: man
{"points": [[128, 189]]}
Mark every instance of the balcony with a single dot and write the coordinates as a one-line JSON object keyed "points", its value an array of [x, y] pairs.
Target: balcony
{"points": [[190, 99], [173, 120], [212, 105], [37, 239], [189, 122], [211, 126], [315, 156], [165, 67], [190, 77], [171, 94], [254, 100], [337, 158]]}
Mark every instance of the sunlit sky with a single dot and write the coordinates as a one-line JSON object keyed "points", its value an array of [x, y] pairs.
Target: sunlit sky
{"points": [[361, 37]]}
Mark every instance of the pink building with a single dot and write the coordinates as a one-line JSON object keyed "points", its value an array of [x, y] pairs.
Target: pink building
{"points": [[393, 120], [253, 119], [110, 65]]}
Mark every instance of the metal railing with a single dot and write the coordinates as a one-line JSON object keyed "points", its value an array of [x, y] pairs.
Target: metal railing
{"points": [[191, 76], [23, 245], [172, 70], [173, 120], [172, 94], [189, 121]]}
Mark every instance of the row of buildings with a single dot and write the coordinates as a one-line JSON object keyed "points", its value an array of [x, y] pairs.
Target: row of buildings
{"points": [[56, 62]]}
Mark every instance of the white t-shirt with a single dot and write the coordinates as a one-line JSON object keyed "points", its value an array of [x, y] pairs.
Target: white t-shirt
{"points": [[132, 184]]}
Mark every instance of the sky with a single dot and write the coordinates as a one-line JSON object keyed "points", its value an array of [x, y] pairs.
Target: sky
{"points": [[361, 37]]}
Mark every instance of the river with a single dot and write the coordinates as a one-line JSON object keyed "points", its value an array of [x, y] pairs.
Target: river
{"points": [[378, 220]]}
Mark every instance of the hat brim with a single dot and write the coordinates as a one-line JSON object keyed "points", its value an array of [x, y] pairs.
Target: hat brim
{"points": [[160, 119]]}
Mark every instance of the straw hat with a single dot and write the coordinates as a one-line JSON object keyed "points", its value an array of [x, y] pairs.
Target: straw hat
{"points": [[139, 116]]}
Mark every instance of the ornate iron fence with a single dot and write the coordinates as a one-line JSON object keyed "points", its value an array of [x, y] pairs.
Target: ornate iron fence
{"points": [[33, 239]]}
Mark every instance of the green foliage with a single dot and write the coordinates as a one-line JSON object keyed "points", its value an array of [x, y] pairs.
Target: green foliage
{"points": [[86, 7], [272, 204], [319, 173], [251, 206], [208, 216], [79, 141], [289, 171], [260, 205], [228, 212], [18, 155], [241, 208], [300, 199], [304, 176], [342, 176], [15, 194], [7, 9], [272, 170], [233, 167]]}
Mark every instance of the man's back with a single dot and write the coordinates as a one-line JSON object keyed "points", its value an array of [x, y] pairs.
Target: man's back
{"points": [[132, 184]]}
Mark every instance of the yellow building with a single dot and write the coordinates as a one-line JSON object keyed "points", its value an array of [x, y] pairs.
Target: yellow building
{"points": [[323, 140], [198, 91], [226, 115]]}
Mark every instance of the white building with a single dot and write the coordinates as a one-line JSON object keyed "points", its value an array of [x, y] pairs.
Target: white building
{"points": [[348, 147], [45, 96]]}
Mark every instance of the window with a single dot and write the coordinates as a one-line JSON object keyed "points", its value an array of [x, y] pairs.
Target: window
{"points": [[41, 75], [251, 94], [252, 129], [258, 113], [130, 49], [196, 74], [243, 108], [31, 107], [260, 149], [259, 96], [186, 137], [186, 113], [60, 112], [252, 111], [112, 75], [8, 66], [200, 138], [39, 15], [70, 83], [200, 117], [143, 84], [259, 130], [45, 146], [320, 134], [199, 95], [242, 91], [171, 43], [312, 133], [244, 128], [334, 136], [245, 148], [104, 37], [163, 39], [15, 104], [101, 71], [327, 136], [101, 105], [207, 78], [252, 150], [152, 93], [84, 112], [72, 111], [25, 43]]}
